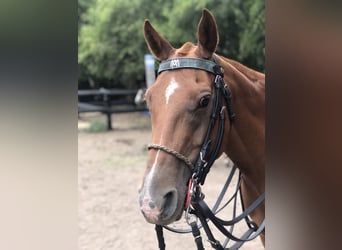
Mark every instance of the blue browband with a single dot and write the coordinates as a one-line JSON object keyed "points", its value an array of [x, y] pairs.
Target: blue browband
{"points": [[191, 63]]}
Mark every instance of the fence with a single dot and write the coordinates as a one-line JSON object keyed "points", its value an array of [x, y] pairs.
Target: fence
{"points": [[108, 101]]}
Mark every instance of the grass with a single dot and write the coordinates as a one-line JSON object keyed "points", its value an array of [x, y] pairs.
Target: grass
{"points": [[97, 126], [95, 122], [123, 161]]}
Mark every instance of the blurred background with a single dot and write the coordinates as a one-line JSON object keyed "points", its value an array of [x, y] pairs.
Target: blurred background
{"points": [[111, 46]]}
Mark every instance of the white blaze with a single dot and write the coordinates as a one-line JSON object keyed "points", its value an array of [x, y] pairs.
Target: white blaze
{"points": [[154, 164], [149, 177], [171, 89]]}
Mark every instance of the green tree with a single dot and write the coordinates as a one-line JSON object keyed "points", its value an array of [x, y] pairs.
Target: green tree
{"points": [[112, 47], [111, 43], [241, 28]]}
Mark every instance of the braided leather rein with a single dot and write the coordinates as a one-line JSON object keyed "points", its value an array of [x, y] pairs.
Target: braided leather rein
{"points": [[172, 152]]}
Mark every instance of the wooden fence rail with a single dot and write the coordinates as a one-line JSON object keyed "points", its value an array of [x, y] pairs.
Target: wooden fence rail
{"points": [[108, 101]]}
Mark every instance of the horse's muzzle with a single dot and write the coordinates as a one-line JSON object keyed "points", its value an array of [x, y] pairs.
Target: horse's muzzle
{"points": [[160, 209]]}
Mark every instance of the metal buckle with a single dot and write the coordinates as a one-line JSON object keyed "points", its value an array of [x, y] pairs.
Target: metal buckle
{"points": [[218, 70], [202, 160], [189, 218], [218, 81], [215, 243], [226, 91], [222, 112], [188, 215]]}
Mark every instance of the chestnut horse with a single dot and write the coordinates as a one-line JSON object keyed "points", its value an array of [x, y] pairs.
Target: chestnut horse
{"points": [[180, 102]]}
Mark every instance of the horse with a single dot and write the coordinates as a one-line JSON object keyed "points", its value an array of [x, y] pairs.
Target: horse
{"points": [[180, 103]]}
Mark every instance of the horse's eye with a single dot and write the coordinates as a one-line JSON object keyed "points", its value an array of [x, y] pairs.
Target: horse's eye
{"points": [[204, 101]]}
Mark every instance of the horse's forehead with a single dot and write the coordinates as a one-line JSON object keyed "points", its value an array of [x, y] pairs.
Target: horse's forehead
{"points": [[187, 82], [168, 83], [182, 80], [169, 89], [173, 83]]}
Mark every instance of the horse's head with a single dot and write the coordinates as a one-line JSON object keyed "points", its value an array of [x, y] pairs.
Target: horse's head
{"points": [[180, 102]]}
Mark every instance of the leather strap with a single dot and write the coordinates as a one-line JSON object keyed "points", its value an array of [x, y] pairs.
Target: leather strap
{"points": [[191, 63], [197, 235], [160, 237], [202, 210]]}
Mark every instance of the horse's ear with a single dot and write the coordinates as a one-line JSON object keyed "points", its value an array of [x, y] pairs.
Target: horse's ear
{"points": [[207, 34], [158, 45]]}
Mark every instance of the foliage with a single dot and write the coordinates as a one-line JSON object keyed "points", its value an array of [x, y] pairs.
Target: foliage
{"points": [[97, 126], [83, 6], [112, 47]]}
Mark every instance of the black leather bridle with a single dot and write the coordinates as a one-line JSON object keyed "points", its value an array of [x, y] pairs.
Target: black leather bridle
{"points": [[207, 156], [205, 159]]}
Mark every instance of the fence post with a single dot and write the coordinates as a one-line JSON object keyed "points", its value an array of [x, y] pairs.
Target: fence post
{"points": [[149, 70], [106, 99]]}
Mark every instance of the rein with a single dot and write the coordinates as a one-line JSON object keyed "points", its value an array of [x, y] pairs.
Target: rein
{"points": [[197, 207]]}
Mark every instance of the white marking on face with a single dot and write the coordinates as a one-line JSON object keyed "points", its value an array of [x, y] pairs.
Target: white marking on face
{"points": [[171, 89], [149, 178], [151, 213], [154, 163]]}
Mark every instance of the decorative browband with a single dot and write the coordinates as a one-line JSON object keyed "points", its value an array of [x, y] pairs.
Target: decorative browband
{"points": [[191, 63]]}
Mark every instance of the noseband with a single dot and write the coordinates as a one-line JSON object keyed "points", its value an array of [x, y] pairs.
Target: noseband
{"points": [[176, 154]]}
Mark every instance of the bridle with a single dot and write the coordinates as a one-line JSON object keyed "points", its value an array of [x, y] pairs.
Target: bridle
{"points": [[218, 112], [195, 205]]}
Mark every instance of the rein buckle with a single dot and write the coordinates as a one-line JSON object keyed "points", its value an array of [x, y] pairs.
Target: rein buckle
{"points": [[203, 160]]}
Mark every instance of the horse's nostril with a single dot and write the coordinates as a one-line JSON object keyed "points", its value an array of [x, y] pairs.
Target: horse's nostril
{"points": [[169, 197], [169, 194], [170, 203], [152, 205]]}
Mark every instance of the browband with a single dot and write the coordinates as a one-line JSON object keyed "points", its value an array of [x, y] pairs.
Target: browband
{"points": [[191, 63]]}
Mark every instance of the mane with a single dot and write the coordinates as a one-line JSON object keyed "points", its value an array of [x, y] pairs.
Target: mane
{"points": [[185, 49], [251, 74]]}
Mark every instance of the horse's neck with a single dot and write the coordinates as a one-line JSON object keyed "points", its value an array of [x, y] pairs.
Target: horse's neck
{"points": [[246, 140], [244, 78], [251, 74]]}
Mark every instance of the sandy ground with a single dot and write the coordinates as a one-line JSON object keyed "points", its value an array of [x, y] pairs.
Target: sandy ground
{"points": [[111, 166]]}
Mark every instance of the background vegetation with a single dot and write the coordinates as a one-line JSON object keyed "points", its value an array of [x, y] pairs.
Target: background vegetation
{"points": [[112, 47]]}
